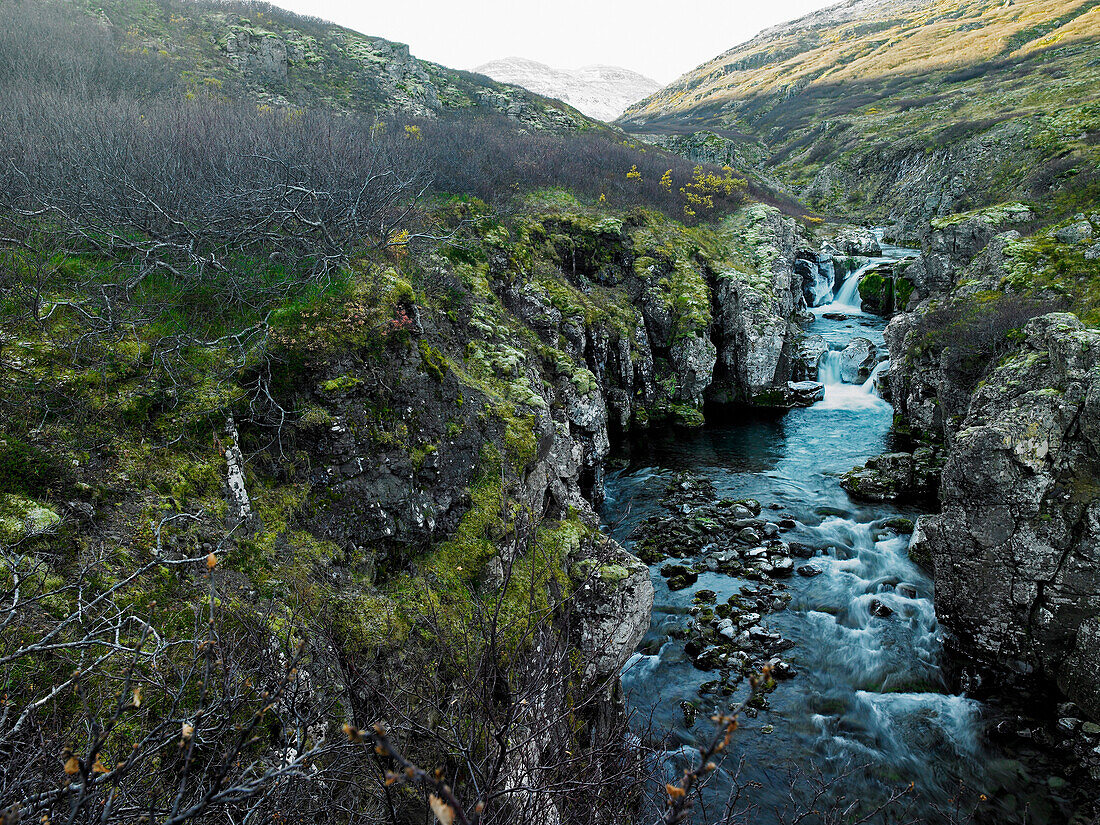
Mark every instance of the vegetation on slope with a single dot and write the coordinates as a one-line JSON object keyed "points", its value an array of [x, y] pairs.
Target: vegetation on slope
{"points": [[228, 331], [840, 103]]}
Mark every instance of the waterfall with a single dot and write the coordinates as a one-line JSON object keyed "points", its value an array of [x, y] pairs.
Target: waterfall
{"points": [[828, 369], [824, 278], [848, 296], [870, 386]]}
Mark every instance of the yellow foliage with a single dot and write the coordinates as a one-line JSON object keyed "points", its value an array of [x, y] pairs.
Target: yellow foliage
{"points": [[413, 133], [634, 174], [666, 180], [700, 191]]}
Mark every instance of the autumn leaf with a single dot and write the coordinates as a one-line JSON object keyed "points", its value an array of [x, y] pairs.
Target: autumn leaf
{"points": [[211, 561], [443, 812], [72, 766]]}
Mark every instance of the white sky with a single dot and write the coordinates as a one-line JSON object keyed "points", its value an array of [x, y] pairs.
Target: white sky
{"points": [[659, 38]]}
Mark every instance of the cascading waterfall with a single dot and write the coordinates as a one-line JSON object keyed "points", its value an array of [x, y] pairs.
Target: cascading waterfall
{"points": [[867, 642], [847, 297]]}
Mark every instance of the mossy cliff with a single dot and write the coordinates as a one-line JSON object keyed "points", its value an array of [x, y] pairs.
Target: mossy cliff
{"points": [[376, 461], [994, 376]]}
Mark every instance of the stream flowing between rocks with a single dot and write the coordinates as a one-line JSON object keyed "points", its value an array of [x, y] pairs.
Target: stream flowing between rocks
{"points": [[821, 588]]}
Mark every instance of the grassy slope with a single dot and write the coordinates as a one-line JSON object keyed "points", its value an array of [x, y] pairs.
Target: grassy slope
{"points": [[871, 81]]}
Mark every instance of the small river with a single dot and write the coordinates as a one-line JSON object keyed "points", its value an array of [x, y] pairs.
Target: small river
{"points": [[868, 712]]}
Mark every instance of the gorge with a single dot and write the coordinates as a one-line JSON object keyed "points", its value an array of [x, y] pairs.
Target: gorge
{"points": [[381, 442]]}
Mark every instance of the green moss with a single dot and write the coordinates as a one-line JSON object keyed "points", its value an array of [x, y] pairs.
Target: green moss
{"points": [[435, 364], [314, 416], [25, 468], [341, 385], [903, 291], [23, 518], [365, 623]]}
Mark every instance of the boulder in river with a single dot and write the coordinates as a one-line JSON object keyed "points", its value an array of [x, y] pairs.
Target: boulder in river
{"points": [[805, 393], [810, 350], [895, 477], [858, 360]]}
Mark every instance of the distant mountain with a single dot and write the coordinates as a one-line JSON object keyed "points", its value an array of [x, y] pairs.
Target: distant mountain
{"points": [[601, 92]]}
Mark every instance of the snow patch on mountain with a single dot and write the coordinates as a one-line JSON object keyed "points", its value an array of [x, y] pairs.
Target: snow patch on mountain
{"points": [[601, 92]]}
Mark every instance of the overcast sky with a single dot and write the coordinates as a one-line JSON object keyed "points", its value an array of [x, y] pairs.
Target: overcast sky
{"points": [[659, 38]]}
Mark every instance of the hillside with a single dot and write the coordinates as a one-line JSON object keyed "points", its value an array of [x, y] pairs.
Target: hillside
{"points": [[311, 360], [280, 58], [602, 92], [904, 108]]}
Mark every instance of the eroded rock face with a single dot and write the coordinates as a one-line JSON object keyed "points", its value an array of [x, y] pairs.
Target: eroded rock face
{"points": [[1015, 549], [856, 240], [809, 355], [613, 606]]}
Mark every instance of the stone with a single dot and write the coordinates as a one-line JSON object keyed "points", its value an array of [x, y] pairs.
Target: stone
{"points": [[858, 360], [895, 477], [613, 612], [1075, 233], [679, 576], [856, 241], [783, 568], [804, 393], [809, 571], [748, 536], [880, 609], [801, 551], [808, 357], [1017, 577]]}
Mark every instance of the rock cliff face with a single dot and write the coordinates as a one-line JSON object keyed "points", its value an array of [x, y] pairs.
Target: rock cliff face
{"points": [[1012, 404], [577, 330], [1021, 518]]}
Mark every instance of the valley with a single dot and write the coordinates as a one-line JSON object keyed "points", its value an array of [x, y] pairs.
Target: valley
{"points": [[381, 442]]}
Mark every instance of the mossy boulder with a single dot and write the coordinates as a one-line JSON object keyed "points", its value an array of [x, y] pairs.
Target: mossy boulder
{"points": [[22, 518]]}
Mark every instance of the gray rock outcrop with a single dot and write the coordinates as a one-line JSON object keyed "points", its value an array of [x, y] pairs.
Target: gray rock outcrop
{"points": [[1014, 550]]}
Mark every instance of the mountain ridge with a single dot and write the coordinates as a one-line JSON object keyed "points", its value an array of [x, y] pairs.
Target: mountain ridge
{"points": [[598, 90], [912, 111]]}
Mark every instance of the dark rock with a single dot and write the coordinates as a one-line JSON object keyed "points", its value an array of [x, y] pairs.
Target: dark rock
{"points": [[802, 551], [809, 571], [1014, 549], [858, 360], [880, 609]]}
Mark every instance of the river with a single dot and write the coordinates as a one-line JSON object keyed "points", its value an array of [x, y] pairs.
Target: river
{"points": [[868, 714]]}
